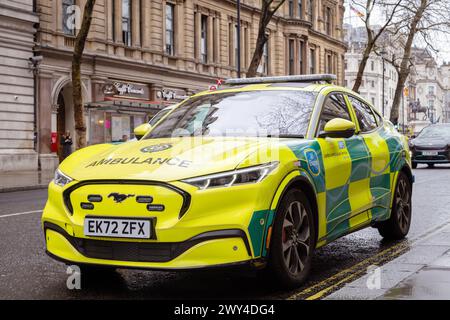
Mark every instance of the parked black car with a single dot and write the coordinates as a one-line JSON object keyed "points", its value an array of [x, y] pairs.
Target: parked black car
{"points": [[431, 146]]}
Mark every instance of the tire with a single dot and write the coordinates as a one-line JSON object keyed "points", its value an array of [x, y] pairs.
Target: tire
{"points": [[287, 267], [431, 165], [414, 165], [397, 227]]}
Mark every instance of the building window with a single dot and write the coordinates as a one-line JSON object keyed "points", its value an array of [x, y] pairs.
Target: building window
{"points": [[372, 65], [312, 61], [170, 43], [310, 10], [204, 39], [373, 101], [329, 64], [345, 65], [328, 18], [373, 84], [291, 57], [300, 57], [431, 90], [68, 11], [126, 22], [291, 8], [299, 8]]}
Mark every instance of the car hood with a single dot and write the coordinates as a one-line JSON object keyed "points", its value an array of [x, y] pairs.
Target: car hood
{"points": [[165, 159], [431, 142]]}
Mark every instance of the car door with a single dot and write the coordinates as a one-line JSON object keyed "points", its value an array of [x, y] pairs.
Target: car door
{"points": [[337, 167], [376, 183]]}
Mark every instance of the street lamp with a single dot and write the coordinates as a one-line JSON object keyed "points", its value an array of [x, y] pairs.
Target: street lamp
{"points": [[383, 53]]}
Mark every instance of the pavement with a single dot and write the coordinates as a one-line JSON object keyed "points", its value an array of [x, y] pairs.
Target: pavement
{"points": [[416, 267], [24, 180], [423, 273]]}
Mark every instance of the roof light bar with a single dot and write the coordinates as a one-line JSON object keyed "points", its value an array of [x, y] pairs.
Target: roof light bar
{"points": [[297, 78]]}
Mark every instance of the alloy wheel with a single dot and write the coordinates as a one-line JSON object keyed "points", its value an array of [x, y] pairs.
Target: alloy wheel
{"points": [[403, 204], [296, 237]]}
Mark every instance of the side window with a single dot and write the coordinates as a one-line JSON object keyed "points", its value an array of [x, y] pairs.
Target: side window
{"points": [[334, 107], [364, 114]]}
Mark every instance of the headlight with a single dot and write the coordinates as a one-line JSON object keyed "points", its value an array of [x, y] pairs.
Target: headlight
{"points": [[61, 179], [235, 177]]}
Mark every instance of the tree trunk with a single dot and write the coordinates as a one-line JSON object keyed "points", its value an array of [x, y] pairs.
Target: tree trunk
{"points": [[80, 125], [266, 15], [405, 64], [362, 66], [257, 54]]}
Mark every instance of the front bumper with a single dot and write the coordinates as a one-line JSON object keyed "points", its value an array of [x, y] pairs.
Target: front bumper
{"points": [[217, 228], [442, 156], [229, 246]]}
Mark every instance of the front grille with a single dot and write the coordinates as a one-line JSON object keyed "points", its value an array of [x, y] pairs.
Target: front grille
{"points": [[127, 251]]}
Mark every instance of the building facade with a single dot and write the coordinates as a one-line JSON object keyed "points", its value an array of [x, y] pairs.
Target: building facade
{"points": [[432, 91], [17, 116], [143, 55]]}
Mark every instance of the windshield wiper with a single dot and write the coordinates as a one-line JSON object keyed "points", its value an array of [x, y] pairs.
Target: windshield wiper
{"points": [[295, 136]]}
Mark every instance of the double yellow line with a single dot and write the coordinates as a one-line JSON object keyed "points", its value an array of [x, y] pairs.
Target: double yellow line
{"points": [[332, 283]]}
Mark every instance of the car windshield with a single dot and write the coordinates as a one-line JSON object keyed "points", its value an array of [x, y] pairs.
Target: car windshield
{"points": [[268, 113], [158, 116], [435, 132]]}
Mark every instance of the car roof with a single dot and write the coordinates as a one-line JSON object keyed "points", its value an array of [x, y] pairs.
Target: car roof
{"points": [[323, 88]]}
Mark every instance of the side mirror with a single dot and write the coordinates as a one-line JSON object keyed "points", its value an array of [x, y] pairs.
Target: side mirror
{"points": [[141, 130], [338, 128]]}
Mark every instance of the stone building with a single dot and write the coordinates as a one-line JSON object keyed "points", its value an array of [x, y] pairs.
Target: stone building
{"points": [[17, 119], [143, 55], [432, 104]]}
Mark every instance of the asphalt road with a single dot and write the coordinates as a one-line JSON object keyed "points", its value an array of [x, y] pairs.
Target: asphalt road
{"points": [[26, 272]]}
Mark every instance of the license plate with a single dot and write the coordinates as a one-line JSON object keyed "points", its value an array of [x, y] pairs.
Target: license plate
{"points": [[117, 227], [429, 153]]}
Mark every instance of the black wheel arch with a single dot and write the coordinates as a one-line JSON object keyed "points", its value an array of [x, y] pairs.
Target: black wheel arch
{"points": [[408, 172], [303, 184]]}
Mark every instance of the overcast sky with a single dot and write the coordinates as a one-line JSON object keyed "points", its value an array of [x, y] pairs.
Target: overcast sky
{"points": [[377, 18]]}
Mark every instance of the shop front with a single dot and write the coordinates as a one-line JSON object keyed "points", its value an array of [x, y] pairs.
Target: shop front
{"points": [[125, 106]]}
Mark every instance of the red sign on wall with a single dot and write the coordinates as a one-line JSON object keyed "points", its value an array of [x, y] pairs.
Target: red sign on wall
{"points": [[54, 142]]}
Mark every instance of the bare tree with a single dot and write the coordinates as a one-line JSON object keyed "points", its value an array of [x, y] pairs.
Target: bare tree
{"points": [[425, 19], [373, 34], [80, 125], [268, 9]]}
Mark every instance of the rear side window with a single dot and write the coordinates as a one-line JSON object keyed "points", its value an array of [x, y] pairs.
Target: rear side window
{"points": [[364, 114], [334, 107]]}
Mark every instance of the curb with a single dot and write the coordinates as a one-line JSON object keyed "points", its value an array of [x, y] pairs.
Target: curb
{"points": [[23, 188]]}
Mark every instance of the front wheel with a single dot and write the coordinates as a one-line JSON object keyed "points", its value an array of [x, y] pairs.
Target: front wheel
{"points": [[397, 227], [293, 240]]}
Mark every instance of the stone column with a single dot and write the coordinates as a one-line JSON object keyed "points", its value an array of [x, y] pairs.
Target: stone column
{"points": [[118, 21], [216, 39], [135, 23], [146, 16], [109, 20], [197, 30], [47, 160]]}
